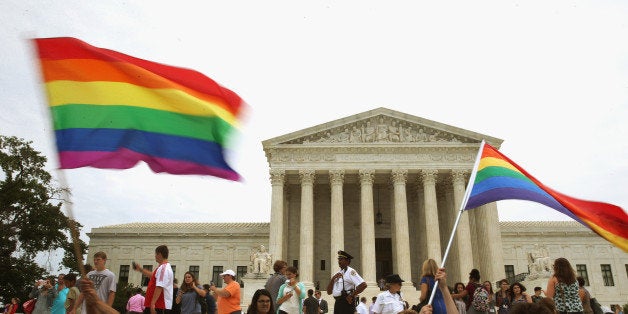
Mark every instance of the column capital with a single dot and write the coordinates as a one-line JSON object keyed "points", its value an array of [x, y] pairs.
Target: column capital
{"points": [[336, 176], [399, 175], [307, 176], [428, 175], [459, 175], [366, 176], [277, 176]]}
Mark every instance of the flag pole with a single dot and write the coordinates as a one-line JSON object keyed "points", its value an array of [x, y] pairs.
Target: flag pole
{"points": [[463, 204], [74, 232]]}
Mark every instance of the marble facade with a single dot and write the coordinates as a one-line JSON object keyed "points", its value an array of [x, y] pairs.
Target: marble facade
{"points": [[366, 181], [384, 186]]}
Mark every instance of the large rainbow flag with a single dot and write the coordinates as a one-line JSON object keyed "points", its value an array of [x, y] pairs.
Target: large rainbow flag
{"points": [[112, 110], [495, 177]]}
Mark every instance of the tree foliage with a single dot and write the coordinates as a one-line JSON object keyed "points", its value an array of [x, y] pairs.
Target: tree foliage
{"points": [[31, 219]]}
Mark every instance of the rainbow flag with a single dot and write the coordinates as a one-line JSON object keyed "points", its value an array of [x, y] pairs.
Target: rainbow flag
{"points": [[112, 110], [495, 177]]}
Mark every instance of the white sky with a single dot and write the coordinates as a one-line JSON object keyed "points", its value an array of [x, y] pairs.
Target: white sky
{"points": [[548, 77]]}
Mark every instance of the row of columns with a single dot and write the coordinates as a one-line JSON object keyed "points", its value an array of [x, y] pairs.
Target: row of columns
{"points": [[400, 232]]}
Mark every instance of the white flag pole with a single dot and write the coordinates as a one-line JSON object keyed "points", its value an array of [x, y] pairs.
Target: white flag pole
{"points": [[463, 204]]}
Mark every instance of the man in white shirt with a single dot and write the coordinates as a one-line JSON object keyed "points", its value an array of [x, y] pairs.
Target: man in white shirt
{"points": [[361, 308], [104, 281], [345, 285]]}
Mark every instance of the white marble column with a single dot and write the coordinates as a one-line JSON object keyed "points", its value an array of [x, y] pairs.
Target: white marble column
{"points": [[336, 179], [402, 234], [489, 235], [464, 252], [306, 244], [275, 239], [432, 230], [367, 227]]}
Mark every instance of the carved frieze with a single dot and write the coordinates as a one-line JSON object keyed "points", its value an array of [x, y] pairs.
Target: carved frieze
{"points": [[381, 129]]}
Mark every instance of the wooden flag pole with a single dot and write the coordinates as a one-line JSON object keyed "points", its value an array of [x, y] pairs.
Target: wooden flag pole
{"points": [[74, 232]]}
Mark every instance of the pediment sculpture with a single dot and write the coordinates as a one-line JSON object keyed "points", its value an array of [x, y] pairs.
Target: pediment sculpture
{"points": [[381, 129]]}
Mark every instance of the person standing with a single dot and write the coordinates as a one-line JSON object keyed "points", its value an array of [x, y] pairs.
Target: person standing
{"points": [[428, 272], [362, 308], [159, 291], [188, 295], [585, 296], [469, 292], [73, 294], [45, 292], [277, 279], [390, 301], [209, 300], [460, 304], [135, 305], [310, 304], [536, 298], [322, 303], [58, 305], [291, 293], [229, 296], [104, 281], [13, 306], [345, 285], [261, 303], [563, 288], [518, 294], [503, 299]]}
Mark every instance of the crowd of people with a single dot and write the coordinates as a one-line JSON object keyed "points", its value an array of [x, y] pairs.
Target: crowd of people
{"points": [[284, 294]]}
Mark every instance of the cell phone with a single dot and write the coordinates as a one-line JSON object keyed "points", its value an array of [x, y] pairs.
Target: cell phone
{"points": [[211, 284], [134, 264]]}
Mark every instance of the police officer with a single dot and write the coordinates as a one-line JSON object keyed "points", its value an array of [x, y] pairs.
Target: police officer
{"points": [[345, 285]]}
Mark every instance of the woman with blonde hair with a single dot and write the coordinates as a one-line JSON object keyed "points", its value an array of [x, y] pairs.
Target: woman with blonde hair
{"points": [[563, 288], [428, 272]]}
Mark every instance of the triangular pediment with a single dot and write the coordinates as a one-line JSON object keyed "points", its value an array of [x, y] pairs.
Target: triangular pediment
{"points": [[379, 126]]}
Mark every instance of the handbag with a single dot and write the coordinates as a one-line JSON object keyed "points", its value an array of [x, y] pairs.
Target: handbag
{"points": [[423, 303], [29, 306]]}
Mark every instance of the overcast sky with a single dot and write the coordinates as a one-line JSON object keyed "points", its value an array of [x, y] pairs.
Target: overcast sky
{"points": [[550, 78]]}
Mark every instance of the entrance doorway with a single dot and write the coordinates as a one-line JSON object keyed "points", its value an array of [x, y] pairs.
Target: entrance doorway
{"points": [[383, 257]]}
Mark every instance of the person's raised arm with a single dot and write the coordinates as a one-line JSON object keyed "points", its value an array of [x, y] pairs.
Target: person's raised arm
{"points": [[450, 305]]}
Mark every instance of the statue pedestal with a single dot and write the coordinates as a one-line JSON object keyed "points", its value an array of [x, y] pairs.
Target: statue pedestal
{"points": [[252, 282], [536, 280]]}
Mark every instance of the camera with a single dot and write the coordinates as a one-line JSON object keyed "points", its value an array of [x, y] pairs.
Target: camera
{"points": [[134, 264]]}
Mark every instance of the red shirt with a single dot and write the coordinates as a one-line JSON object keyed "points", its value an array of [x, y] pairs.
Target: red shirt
{"points": [[150, 290]]}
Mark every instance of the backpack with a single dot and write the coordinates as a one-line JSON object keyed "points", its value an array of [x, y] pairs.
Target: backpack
{"points": [[480, 300]]}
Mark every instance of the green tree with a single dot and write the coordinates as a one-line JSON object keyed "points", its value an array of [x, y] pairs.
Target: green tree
{"points": [[31, 220]]}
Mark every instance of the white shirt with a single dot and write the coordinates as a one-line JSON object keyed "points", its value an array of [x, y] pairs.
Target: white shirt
{"points": [[388, 303], [351, 279], [361, 309], [165, 279]]}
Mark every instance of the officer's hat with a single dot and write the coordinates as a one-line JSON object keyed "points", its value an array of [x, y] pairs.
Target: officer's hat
{"points": [[343, 254], [394, 278]]}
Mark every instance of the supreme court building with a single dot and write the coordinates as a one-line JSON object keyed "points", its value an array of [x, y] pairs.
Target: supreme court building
{"points": [[384, 186]]}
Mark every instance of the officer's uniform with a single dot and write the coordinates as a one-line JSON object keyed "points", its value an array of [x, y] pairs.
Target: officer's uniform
{"points": [[389, 303], [344, 286]]}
